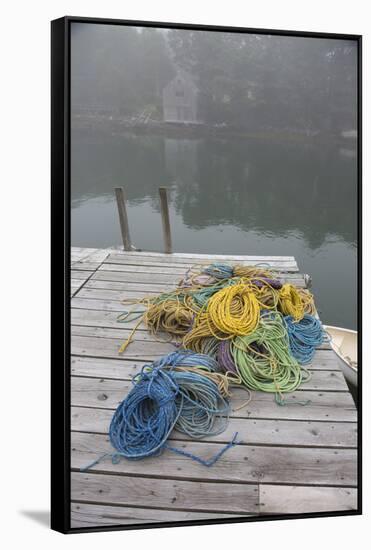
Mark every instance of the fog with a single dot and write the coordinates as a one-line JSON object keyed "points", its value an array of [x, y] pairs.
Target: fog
{"points": [[253, 81], [255, 137]]}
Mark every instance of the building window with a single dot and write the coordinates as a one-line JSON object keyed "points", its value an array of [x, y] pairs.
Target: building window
{"points": [[179, 93]]}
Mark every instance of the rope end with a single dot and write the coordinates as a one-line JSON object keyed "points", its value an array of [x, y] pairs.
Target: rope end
{"points": [[124, 345]]}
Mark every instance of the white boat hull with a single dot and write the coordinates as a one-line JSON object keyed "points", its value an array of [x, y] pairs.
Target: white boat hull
{"points": [[344, 343]]}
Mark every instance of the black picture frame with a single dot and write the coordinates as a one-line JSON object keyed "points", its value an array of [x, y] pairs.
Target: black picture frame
{"points": [[60, 267]]}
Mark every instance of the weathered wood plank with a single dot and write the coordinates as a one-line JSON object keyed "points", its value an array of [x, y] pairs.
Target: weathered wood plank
{"points": [[115, 270], [105, 368], [163, 493], [141, 335], [131, 292], [114, 305], [184, 259], [108, 319], [150, 287], [242, 463], [328, 406], [88, 255], [140, 348], [156, 285], [191, 256], [93, 515], [166, 276], [99, 255], [252, 432], [80, 249], [98, 336], [85, 266], [276, 499], [277, 266], [76, 274], [115, 295], [123, 330], [123, 368], [109, 347], [182, 268], [79, 254], [76, 283], [98, 305], [284, 443]]}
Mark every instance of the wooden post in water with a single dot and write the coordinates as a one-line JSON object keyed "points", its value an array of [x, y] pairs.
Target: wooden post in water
{"points": [[165, 219], [123, 216]]}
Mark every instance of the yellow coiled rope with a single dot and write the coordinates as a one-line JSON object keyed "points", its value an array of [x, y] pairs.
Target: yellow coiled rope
{"points": [[307, 300], [170, 316], [234, 310], [251, 271], [227, 304], [290, 302]]}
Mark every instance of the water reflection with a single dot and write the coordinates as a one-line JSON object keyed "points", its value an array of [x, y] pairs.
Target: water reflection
{"points": [[269, 188], [227, 196]]}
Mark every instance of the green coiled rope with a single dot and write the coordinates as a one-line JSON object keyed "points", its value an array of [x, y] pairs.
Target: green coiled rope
{"points": [[263, 359]]}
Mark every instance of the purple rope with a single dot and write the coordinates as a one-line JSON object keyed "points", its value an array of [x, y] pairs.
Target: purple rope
{"points": [[225, 359], [274, 283]]}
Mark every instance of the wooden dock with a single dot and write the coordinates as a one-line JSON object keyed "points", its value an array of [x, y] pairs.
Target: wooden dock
{"points": [[293, 459]]}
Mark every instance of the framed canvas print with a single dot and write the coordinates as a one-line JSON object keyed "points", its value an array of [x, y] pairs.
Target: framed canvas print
{"points": [[206, 192]]}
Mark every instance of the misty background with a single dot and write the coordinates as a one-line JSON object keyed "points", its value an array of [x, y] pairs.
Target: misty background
{"points": [[254, 135]]}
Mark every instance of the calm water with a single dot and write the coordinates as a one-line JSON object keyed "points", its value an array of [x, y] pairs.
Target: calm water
{"points": [[228, 196]]}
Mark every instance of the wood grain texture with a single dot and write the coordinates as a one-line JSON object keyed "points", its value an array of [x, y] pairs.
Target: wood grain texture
{"points": [[276, 499], [83, 274], [92, 515], [191, 257], [251, 431], [290, 459], [147, 258], [328, 406], [125, 368], [164, 493], [242, 463], [166, 276]]}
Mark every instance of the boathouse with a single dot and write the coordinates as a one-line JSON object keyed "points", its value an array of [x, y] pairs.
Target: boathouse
{"points": [[180, 99]]}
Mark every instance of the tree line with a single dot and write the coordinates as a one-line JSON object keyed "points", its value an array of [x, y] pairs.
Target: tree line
{"points": [[255, 81]]}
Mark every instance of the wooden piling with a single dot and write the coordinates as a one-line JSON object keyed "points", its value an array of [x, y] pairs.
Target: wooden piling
{"points": [[123, 216], [165, 219]]}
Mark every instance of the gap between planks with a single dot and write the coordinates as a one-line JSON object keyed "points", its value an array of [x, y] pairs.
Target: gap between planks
{"points": [[323, 406], [122, 367], [90, 515], [298, 433], [173, 494], [241, 464]]}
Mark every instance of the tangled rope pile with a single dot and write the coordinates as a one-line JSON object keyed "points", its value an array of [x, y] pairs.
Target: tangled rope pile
{"points": [[178, 391], [222, 311], [263, 358], [234, 325], [304, 336]]}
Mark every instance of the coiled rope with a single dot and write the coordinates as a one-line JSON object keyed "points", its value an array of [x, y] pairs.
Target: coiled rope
{"points": [[304, 336], [166, 396], [263, 358], [290, 302], [233, 311], [230, 304]]}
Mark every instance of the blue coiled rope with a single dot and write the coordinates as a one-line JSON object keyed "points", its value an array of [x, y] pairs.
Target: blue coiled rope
{"points": [[164, 398], [304, 336], [219, 271]]}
